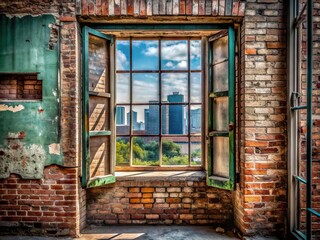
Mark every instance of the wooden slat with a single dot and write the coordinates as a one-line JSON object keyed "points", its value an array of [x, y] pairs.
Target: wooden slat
{"points": [[143, 10], [136, 7], [169, 7], [124, 10], [208, 8], [100, 94], [130, 7], [215, 7], [162, 7], [222, 5], [117, 8], [98, 8], [104, 8], [175, 10], [149, 7], [235, 8], [111, 7], [182, 7], [202, 7], [241, 8], [228, 8], [188, 7], [78, 7], [99, 133], [195, 7], [155, 7]]}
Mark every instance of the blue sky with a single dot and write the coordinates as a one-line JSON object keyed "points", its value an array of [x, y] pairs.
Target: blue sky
{"points": [[145, 56]]}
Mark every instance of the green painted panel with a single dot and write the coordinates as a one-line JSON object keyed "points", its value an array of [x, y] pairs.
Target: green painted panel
{"points": [[101, 181], [24, 47]]}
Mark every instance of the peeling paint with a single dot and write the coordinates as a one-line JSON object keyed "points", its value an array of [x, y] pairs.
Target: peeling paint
{"points": [[54, 148], [19, 158], [17, 108], [30, 46]]}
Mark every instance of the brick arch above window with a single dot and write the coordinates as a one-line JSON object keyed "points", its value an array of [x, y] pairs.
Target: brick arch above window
{"points": [[160, 7]]}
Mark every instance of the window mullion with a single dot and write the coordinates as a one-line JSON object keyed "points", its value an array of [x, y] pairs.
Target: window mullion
{"points": [[160, 103], [189, 107], [130, 111]]}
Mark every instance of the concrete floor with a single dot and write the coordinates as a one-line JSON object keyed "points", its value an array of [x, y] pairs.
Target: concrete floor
{"points": [[146, 233]]}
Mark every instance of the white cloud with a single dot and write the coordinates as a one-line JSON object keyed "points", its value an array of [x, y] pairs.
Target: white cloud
{"points": [[169, 65], [122, 60], [182, 64]]}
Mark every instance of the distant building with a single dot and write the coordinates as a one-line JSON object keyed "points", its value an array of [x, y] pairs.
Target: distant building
{"points": [[120, 115], [176, 114], [195, 120], [135, 124]]}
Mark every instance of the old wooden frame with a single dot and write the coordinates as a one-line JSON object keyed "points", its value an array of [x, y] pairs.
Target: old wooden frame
{"points": [[86, 134], [214, 180]]}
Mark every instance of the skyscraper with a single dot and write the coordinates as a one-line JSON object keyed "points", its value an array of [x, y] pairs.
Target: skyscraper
{"points": [[135, 124], [176, 114], [195, 120], [120, 115]]}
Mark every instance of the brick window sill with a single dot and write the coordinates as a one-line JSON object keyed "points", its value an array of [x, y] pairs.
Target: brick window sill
{"points": [[162, 176]]}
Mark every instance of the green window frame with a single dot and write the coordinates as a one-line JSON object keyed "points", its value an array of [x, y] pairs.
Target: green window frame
{"points": [[209, 96], [221, 115], [96, 44]]}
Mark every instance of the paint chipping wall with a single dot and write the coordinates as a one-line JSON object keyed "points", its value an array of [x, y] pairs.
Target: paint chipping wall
{"points": [[29, 130]]}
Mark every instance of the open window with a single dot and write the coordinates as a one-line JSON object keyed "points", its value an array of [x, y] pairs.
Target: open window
{"points": [[150, 118], [98, 101], [221, 110]]}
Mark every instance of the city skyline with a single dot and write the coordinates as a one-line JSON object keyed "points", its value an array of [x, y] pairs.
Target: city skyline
{"points": [[174, 117]]}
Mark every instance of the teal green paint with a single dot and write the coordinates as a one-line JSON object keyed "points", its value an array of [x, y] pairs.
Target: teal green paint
{"points": [[216, 181], [99, 133], [101, 181], [24, 48], [86, 134]]}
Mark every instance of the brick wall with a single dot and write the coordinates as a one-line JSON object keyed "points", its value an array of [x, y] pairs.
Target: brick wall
{"points": [[61, 219], [260, 200], [262, 193], [46, 206], [161, 201], [23, 86]]}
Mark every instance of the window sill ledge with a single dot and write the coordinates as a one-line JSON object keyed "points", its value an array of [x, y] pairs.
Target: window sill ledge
{"points": [[162, 176]]}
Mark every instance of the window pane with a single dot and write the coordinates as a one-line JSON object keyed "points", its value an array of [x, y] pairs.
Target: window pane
{"points": [[220, 49], [165, 119], [196, 152], [98, 113], [221, 156], [177, 119], [175, 87], [97, 61], [145, 55], [174, 55], [195, 51], [122, 151], [145, 151], [146, 120], [196, 93], [122, 123], [220, 114], [123, 87], [220, 77], [99, 156], [195, 119], [123, 55], [145, 87], [175, 151]]}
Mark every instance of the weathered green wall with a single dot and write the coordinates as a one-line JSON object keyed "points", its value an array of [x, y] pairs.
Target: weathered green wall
{"points": [[29, 131]]}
